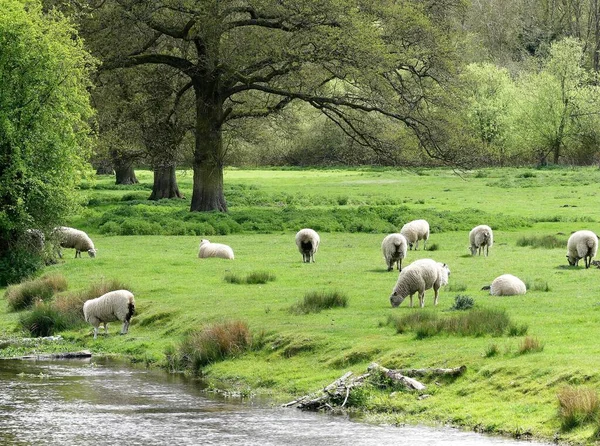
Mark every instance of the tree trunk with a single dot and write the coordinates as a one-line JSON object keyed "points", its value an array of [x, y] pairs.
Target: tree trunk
{"points": [[125, 174], [165, 183], [207, 191]]}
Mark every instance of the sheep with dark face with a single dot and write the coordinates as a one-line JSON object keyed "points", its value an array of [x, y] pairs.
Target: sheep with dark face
{"points": [[582, 245], [307, 241], [394, 247], [419, 276], [116, 305]]}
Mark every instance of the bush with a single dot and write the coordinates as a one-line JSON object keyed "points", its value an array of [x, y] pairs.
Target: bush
{"points": [[315, 301], [214, 343], [462, 302], [18, 264], [577, 406], [45, 320], [27, 293], [546, 241], [475, 322]]}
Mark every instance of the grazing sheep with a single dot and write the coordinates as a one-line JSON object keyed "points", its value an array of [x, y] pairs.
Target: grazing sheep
{"points": [[414, 231], [394, 248], [582, 245], [116, 305], [481, 237], [507, 285], [307, 241], [420, 276], [208, 249], [74, 238]]}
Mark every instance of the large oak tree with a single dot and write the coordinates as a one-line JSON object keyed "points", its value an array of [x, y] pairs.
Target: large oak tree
{"points": [[355, 61]]}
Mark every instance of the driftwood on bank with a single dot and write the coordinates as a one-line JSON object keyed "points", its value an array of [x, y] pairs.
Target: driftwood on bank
{"points": [[338, 392]]}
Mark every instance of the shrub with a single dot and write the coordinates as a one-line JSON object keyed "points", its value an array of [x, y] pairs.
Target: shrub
{"points": [[214, 343], [546, 241], [577, 406], [26, 293], [462, 302], [315, 301], [17, 264], [530, 345], [475, 322], [44, 320], [491, 350]]}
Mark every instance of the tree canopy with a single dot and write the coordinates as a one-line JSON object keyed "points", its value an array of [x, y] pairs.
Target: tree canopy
{"points": [[44, 125]]}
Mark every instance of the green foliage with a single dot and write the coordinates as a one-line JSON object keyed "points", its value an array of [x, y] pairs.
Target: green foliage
{"points": [[491, 351], [252, 278], [577, 406], [315, 301], [475, 322], [25, 294], [213, 343], [44, 125], [545, 241], [46, 320], [462, 302]]}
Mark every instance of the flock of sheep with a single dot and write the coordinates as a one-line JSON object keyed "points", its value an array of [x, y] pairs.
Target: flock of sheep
{"points": [[417, 277]]}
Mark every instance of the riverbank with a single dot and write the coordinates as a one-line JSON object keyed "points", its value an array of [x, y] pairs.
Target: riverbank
{"points": [[505, 389]]}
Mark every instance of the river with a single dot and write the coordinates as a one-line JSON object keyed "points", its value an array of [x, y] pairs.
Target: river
{"points": [[99, 402]]}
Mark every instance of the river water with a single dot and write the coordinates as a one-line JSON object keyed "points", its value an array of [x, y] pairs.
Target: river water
{"points": [[77, 402]]}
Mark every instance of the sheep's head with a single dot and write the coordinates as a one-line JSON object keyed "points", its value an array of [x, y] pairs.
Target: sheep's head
{"points": [[92, 252], [396, 299], [473, 250], [203, 242], [572, 260]]}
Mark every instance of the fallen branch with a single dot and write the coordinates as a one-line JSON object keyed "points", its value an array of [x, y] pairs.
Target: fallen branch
{"points": [[457, 371], [65, 355], [397, 376]]}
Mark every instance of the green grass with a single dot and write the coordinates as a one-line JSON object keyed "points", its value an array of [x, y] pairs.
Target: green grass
{"points": [[177, 294], [316, 301]]}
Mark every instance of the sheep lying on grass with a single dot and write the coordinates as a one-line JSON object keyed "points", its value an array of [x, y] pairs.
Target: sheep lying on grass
{"points": [[74, 238], [394, 248], [307, 241], [481, 238], [116, 305], [507, 285], [582, 245], [414, 231], [419, 276], [208, 249]]}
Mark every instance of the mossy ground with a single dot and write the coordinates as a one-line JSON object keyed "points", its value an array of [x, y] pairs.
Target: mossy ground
{"points": [[508, 392]]}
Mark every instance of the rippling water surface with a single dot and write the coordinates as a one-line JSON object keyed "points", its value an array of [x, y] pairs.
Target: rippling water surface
{"points": [[102, 403]]}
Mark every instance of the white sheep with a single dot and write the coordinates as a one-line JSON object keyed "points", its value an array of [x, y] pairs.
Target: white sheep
{"points": [[481, 238], [74, 238], [582, 245], [116, 305], [419, 276], [394, 248], [414, 231], [208, 249], [307, 241], [507, 285]]}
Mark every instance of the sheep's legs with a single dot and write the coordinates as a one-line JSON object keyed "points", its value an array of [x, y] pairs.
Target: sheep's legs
{"points": [[422, 299], [436, 295], [125, 328]]}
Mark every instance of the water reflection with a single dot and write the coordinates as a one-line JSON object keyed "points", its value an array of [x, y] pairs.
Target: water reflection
{"points": [[97, 402]]}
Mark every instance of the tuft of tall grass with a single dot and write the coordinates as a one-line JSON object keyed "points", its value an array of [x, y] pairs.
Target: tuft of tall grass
{"points": [[530, 344], [537, 285], [315, 301], [462, 302], [491, 351], [546, 241], [213, 343], [475, 322], [253, 278], [44, 320], [26, 293], [577, 406]]}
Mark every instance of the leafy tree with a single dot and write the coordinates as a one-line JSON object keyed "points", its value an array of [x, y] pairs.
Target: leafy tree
{"points": [[558, 103], [44, 132], [349, 59]]}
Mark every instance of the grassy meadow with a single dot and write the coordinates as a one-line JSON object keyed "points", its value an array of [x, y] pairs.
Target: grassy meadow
{"points": [[508, 388]]}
